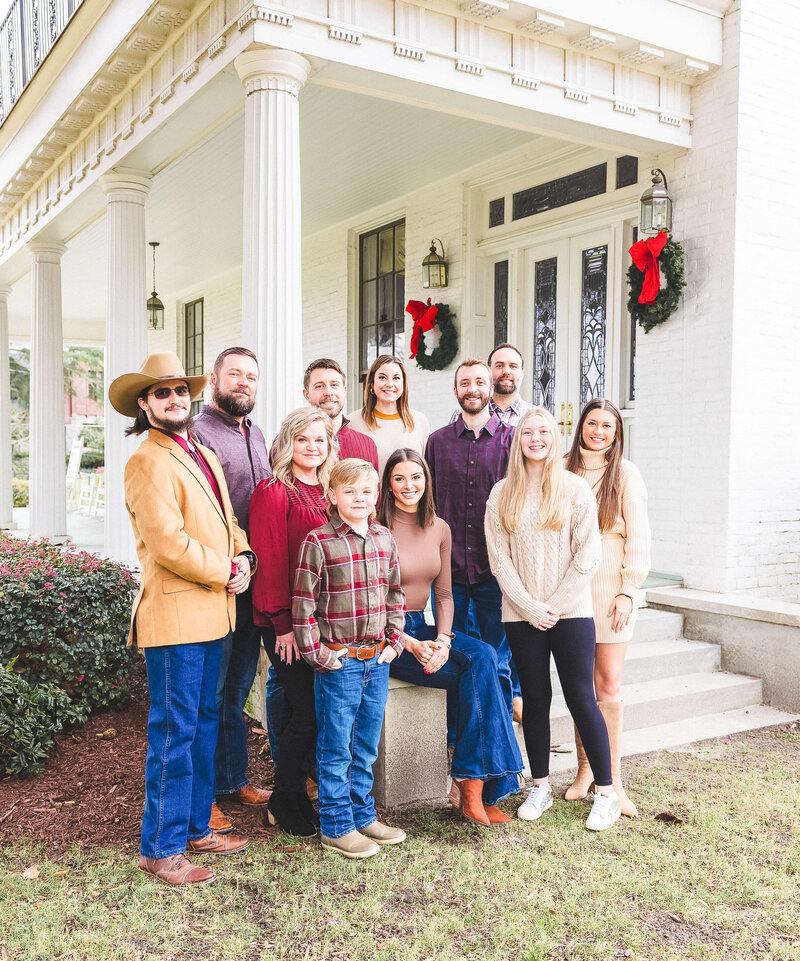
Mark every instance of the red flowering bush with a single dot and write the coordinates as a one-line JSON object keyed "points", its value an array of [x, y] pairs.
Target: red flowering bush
{"points": [[64, 619]]}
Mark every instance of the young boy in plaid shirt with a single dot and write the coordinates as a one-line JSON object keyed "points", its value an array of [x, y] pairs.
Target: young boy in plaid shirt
{"points": [[348, 615]]}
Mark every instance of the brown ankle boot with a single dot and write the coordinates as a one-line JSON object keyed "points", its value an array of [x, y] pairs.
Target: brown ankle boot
{"points": [[495, 815], [583, 779], [612, 713], [471, 803]]}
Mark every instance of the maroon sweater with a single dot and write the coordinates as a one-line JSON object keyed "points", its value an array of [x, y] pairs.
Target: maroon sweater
{"points": [[280, 518]]}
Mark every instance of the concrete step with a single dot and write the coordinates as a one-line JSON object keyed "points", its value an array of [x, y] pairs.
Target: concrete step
{"points": [[659, 659], [669, 699], [685, 732], [653, 625]]}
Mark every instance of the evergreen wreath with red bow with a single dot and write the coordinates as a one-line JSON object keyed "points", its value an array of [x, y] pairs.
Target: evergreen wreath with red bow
{"points": [[426, 317], [649, 304]]}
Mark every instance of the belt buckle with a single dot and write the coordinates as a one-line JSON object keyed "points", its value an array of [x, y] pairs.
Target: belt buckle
{"points": [[362, 653]]}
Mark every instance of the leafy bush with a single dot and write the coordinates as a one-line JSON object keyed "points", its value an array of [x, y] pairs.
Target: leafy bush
{"points": [[64, 617], [30, 716], [19, 488]]}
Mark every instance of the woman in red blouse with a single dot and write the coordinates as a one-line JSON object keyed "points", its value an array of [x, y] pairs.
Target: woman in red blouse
{"points": [[283, 509]]}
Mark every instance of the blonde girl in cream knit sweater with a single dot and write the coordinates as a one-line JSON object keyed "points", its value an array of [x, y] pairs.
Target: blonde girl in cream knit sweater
{"points": [[544, 547], [596, 455]]}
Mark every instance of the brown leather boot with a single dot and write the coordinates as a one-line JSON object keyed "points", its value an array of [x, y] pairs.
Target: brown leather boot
{"points": [[471, 803], [612, 713], [455, 795], [250, 794], [177, 870], [495, 815], [583, 779], [214, 843], [218, 821]]}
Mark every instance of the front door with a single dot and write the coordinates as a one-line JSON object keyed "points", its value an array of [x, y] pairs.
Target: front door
{"points": [[569, 314]]}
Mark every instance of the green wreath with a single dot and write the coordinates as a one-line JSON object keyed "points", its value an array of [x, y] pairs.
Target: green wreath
{"points": [[671, 264], [445, 353]]}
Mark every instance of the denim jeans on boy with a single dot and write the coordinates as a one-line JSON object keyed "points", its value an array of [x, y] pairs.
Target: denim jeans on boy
{"points": [[487, 604], [485, 745], [235, 681], [350, 703], [181, 735]]}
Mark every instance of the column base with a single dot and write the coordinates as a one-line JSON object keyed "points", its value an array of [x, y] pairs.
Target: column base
{"points": [[10, 526]]}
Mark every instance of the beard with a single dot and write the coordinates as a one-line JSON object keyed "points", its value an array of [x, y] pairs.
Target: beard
{"points": [[333, 414], [473, 403], [173, 426], [236, 406], [504, 386]]}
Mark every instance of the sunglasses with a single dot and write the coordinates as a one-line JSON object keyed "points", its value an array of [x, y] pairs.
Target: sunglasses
{"points": [[162, 393]]}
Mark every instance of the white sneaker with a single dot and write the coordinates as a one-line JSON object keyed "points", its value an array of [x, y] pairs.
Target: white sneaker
{"points": [[605, 811], [539, 799]]}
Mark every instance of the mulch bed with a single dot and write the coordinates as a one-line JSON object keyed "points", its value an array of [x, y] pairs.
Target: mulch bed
{"points": [[92, 791]]}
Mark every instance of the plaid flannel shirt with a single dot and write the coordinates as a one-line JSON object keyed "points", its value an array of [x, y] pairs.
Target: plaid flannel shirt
{"points": [[346, 591]]}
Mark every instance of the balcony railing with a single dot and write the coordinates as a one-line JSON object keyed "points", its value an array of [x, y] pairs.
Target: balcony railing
{"points": [[27, 35]]}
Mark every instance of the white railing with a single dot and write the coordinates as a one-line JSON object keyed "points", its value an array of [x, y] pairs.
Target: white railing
{"points": [[27, 34]]}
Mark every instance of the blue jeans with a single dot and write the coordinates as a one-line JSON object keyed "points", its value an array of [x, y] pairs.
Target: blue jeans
{"points": [[350, 703], [236, 675], [485, 745], [276, 714], [181, 734], [472, 630], [486, 601]]}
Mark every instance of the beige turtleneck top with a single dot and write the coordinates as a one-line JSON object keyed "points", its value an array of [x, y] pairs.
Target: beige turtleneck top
{"points": [[424, 557]]}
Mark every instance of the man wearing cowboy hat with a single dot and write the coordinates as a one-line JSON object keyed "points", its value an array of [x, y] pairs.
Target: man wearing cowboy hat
{"points": [[194, 560]]}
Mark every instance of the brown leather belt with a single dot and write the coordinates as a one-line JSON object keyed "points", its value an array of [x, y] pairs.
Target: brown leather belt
{"points": [[362, 653]]}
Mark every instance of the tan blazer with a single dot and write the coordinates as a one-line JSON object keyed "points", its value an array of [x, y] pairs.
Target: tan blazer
{"points": [[185, 543]]}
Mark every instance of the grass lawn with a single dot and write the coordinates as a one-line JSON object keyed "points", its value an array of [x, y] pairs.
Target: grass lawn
{"points": [[723, 884]]}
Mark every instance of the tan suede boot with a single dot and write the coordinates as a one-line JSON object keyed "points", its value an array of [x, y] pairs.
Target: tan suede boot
{"points": [[471, 802], [612, 713], [583, 779]]}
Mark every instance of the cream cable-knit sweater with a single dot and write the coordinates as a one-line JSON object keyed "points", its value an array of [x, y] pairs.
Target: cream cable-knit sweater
{"points": [[540, 569]]}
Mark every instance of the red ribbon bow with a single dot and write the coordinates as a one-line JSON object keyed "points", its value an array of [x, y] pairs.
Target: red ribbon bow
{"points": [[424, 317], [645, 255]]}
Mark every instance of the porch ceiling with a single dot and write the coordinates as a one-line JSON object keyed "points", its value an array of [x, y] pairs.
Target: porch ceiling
{"points": [[357, 152]]}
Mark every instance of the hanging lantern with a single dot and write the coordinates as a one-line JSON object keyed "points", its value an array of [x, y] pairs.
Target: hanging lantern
{"points": [[155, 309], [434, 268], [655, 206]]}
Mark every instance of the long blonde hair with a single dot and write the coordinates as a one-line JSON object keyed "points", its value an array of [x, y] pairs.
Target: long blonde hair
{"points": [[371, 400], [554, 510], [282, 450]]}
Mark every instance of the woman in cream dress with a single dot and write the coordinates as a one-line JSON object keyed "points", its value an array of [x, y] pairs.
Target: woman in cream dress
{"points": [[597, 456]]}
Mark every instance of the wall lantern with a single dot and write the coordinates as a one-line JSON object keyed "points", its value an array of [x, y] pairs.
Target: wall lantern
{"points": [[434, 268], [655, 206], [155, 309]]}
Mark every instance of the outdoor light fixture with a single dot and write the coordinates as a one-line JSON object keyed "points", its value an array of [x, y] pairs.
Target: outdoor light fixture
{"points": [[655, 206], [155, 309], [434, 268]]}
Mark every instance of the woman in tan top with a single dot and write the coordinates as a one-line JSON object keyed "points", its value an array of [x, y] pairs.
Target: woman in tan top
{"points": [[544, 547], [486, 757], [597, 456]]}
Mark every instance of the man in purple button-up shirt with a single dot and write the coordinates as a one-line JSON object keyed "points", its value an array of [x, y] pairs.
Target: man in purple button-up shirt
{"points": [[467, 458]]}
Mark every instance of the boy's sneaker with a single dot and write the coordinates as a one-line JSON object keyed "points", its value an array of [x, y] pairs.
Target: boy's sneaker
{"points": [[383, 834], [352, 845], [539, 799], [605, 811]]}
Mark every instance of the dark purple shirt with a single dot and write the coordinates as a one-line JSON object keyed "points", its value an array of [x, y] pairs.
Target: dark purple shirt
{"points": [[244, 458], [352, 443], [465, 468]]}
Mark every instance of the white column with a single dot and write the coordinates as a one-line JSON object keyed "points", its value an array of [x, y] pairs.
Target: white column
{"points": [[6, 499], [272, 323], [48, 500], [126, 338]]}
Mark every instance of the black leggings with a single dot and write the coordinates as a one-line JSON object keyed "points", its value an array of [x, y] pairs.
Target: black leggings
{"points": [[572, 643]]}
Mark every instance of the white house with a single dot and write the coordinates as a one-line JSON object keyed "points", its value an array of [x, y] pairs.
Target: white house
{"points": [[295, 159]]}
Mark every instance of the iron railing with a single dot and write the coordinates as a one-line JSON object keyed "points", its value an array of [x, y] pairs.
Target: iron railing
{"points": [[27, 34]]}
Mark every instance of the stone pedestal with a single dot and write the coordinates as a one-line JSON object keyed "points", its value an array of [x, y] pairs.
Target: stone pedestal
{"points": [[47, 493], [412, 759], [6, 496], [271, 252], [126, 339]]}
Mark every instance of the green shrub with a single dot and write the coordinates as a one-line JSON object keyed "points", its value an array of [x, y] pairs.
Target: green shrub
{"points": [[30, 717], [64, 617], [19, 487]]}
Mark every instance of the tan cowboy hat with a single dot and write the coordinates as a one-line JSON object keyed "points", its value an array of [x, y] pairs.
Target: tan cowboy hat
{"points": [[124, 391]]}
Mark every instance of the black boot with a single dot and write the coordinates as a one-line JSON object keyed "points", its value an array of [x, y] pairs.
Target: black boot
{"points": [[307, 808], [284, 810]]}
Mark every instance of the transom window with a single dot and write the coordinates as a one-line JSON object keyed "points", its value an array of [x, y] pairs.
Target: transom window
{"points": [[382, 262]]}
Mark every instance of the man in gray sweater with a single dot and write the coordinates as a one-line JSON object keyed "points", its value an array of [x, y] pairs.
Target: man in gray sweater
{"points": [[225, 427]]}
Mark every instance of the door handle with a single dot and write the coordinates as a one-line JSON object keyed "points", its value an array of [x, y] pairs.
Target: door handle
{"points": [[569, 419], [562, 421]]}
